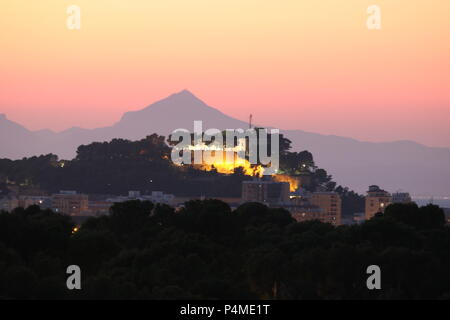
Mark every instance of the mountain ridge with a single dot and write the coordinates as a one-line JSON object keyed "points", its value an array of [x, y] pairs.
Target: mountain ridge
{"points": [[406, 165]]}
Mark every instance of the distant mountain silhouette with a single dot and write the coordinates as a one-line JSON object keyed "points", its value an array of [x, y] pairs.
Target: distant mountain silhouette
{"points": [[397, 165], [16, 141]]}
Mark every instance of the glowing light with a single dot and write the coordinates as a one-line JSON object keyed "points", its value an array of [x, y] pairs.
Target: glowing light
{"points": [[223, 166], [293, 182]]}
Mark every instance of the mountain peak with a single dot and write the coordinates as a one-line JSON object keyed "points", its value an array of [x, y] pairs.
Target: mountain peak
{"points": [[176, 101], [183, 96], [185, 93], [180, 103]]}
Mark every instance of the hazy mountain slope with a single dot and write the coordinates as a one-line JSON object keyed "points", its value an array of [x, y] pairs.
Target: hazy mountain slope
{"points": [[16, 141], [393, 165], [176, 111], [179, 110]]}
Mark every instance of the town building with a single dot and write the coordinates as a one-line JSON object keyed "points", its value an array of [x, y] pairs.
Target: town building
{"points": [[99, 208], [447, 215], [265, 191], [331, 205], [303, 206], [70, 202], [155, 197], [9, 203], [359, 217], [303, 213], [41, 201], [401, 197], [376, 201], [161, 197]]}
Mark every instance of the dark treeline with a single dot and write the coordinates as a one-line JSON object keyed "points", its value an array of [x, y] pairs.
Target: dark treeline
{"points": [[208, 251], [120, 165], [116, 167]]}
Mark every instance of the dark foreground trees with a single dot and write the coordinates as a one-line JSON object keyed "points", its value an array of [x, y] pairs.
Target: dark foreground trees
{"points": [[207, 251]]}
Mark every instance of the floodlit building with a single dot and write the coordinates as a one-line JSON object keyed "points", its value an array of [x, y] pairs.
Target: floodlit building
{"points": [[376, 201]]}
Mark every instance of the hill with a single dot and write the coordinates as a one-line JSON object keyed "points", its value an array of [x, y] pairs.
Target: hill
{"points": [[404, 165]]}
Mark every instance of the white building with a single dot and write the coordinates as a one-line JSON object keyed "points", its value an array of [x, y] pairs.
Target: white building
{"points": [[401, 197]]}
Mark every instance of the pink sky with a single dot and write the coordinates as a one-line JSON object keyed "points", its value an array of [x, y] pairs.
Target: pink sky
{"points": [[310, 65]]}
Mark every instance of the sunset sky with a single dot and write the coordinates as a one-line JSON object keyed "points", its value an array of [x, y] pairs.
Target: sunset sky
{"points": [[295, 64]]}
